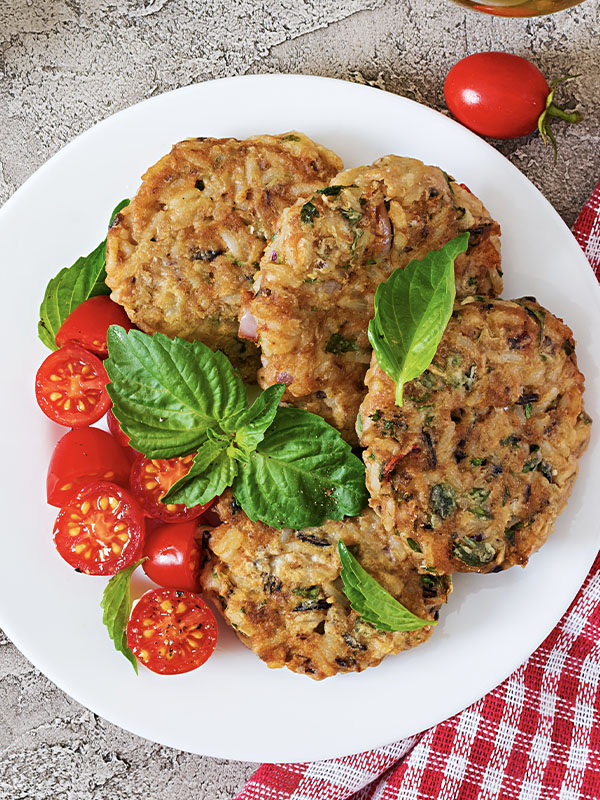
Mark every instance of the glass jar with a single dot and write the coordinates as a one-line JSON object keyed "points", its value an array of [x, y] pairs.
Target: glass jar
{"points": [[517, 8]]}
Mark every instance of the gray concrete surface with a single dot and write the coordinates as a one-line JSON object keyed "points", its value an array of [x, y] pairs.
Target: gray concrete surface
{"points": [[65, 64]]}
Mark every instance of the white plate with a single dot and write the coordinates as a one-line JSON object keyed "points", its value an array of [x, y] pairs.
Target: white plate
{"points": [[235, 706]]}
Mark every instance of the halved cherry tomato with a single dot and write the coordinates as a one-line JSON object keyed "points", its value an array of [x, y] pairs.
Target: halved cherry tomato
{"points": [[114, 426], [151, 479], [88, 323], [80, 457], [101, 530], [174, 554], [70, 387], [171, 631]]}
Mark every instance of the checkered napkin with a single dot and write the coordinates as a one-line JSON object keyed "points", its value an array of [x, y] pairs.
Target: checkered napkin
{"points": [[534, 737]]}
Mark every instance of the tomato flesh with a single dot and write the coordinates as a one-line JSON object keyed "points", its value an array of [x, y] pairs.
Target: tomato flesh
{"points": [[151, 479], [88, 323], [496, 94], [84, 455], [101, 530], [172, 631], [174, 554], [70, 387]]}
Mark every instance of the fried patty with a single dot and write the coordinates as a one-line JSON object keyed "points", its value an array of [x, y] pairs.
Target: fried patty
{"points": [[282, 592], [473, 470], [180, 254], [313, 295]]}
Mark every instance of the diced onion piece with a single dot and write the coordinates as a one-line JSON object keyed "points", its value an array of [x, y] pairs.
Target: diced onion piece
{"points": [[248, 327]]}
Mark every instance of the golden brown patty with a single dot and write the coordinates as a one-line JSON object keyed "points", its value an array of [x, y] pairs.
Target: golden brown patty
{"points": [[313, 295], [474, 469], [282, 591], [180, 254]]}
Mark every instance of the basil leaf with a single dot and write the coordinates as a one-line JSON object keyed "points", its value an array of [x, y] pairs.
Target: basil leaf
{"points": [[369, 599], [116, 603], [412, 309], [251, 424], [168, 393], [71, 286], [301, 474], [208, 477]]}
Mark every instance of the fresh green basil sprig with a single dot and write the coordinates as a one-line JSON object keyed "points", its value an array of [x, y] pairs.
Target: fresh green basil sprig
{"points": [[116, 604], [71, 286], [412, 309], [369, 599], [286, 467]]}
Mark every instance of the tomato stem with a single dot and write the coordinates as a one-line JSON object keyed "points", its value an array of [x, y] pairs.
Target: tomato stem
{"points": [[557, 111], [552, 110]]}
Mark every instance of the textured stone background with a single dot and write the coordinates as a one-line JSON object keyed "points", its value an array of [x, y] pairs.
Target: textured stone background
{"points": [[65, 64]]}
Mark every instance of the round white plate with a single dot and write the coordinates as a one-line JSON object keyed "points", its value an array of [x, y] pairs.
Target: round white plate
{"points": [[234, 706]]}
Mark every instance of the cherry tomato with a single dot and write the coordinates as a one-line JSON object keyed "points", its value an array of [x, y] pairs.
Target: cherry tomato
{"points": [[70, 387], [174, 554], [171, 631], [80, 457], [114, 426], [88, 323], [211, 518], [101, 530], [152, 478], [496, 94]]}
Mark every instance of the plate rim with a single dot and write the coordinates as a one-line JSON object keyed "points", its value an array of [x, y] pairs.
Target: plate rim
{"points": [[63, 153]]}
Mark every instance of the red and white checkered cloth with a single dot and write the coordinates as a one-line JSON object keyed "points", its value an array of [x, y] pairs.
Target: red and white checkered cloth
{"points": [[534, 737]]}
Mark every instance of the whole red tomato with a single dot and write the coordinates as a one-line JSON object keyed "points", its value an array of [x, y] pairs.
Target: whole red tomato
{"points": [[84, 455], [501, 95], [88, 323], [174, 553]]}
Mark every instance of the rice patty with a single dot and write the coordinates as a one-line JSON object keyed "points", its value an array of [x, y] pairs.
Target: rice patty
{"points": [[181, 252], [313, 295], [474, 469], [282, 592]]}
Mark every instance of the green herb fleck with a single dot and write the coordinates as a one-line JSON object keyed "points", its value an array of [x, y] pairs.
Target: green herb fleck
{"points": [[331, 191], [441, 499], [480, 495], [338, 344], [511, 530], [310, 592], [308, 212], [480, 512], [351, 215], [199, 184], [414, 545], [473, 553]]}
